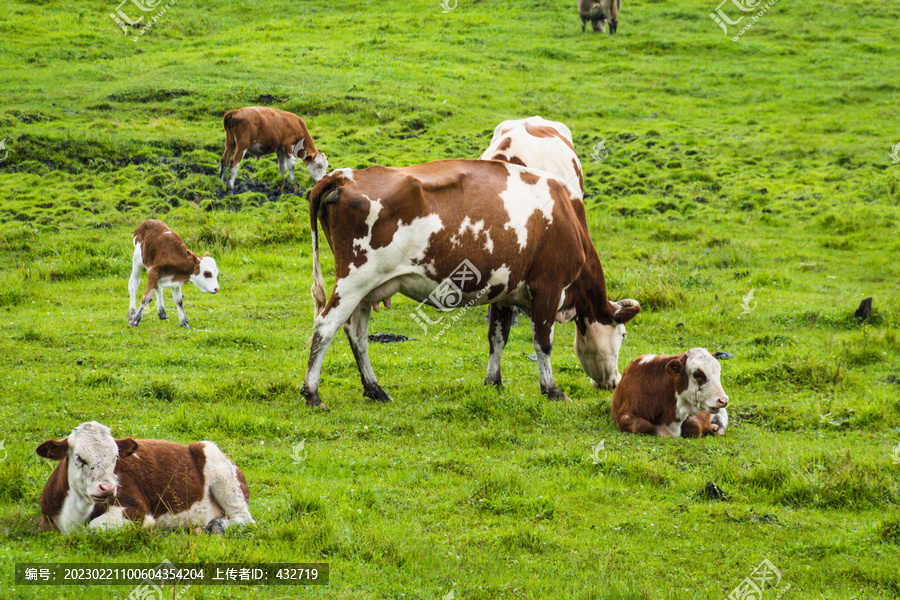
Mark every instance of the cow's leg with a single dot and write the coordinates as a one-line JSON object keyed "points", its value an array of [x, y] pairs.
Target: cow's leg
{"points": [[239, 153], [543, 316], [160, 304], [179, 304], [597, 25], [583, 23], [135, 280], [289, 153], [281, 161], [333, 316], [229, 150], [152, 280], [113, 518], [224, 486], [498, 333], [631, 424], [357, 330]]}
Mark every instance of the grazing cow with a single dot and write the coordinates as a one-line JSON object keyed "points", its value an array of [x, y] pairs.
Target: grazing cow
{"points": [[539, 144], [260, 130], [599, 12], [108, 483], [456, 232], [672, 396], [169, 264]]}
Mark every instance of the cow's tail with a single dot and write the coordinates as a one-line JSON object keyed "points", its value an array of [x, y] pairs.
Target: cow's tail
{"points": [[330, 194], [229, 120]]}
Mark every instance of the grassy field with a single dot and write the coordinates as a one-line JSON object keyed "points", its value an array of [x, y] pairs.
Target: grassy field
{"points": [[759, 166]]}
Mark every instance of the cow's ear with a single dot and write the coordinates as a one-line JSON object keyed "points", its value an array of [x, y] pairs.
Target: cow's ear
{"points": [[298, 151], [53, 449], [676, 365], [626, 310], [127, 447]]}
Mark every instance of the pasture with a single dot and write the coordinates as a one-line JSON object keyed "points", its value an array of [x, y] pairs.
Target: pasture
{"points": [[744, 194]]}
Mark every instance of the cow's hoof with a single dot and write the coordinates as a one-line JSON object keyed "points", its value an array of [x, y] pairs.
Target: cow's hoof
{"points": [[498, 383], [216, 527], [557, 395], [376, 394], [312, 399], [162, 316], [185, 324]]}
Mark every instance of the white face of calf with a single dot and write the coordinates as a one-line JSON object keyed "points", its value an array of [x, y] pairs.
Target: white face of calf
{"points": [[318, 166], [598, 349], [704, 385], [92, 453], [208, 279]]}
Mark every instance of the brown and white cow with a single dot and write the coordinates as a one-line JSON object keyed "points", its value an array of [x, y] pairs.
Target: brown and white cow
{"points": [[479, 231], [104, 482], [260, 130], [537, 143], [671, 396], [599, 13], [169, 264]]}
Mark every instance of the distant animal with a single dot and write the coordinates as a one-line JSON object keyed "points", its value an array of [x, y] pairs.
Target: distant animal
{"points": [[260, 130], [169, 264], [104, 482], [599, 13], [672, 395], [540, 144], [461, 233]]}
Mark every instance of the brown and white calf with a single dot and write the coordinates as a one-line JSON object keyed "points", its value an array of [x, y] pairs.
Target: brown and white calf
{"points": [[671, 396], [599, 13], [169, 264], [476, 231], [260, 130], [107, 483], [537, 143]]}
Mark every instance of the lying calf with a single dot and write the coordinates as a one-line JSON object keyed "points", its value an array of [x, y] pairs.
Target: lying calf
{"points": [[672, 396], [109, 483], [169, 264]]}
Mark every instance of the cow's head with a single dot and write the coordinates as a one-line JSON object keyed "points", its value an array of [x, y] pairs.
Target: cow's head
{"points": [[700, 384], [206, 277], [91, 453], [597, 348], [316, 162]]}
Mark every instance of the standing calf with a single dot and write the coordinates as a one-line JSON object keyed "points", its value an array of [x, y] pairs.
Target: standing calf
{"points": [[672, 396], [599, 12], [109, 483], [260, 130], [169, 264]]}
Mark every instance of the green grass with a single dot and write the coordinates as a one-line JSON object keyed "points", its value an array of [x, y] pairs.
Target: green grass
{"points": [[760, 166]]}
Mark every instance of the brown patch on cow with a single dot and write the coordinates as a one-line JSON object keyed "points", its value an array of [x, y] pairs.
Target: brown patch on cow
{"points": [[506, 143], [577, 168], [543, 131], [272, 129], [646, 395], [529, 178], [54, 495], [500, 157], [163, 251], [697, 425], [515, 160]]}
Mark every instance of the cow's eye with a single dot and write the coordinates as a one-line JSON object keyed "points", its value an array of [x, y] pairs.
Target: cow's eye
{"points": [[81, 462], [700, 377], [207, 274]]}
